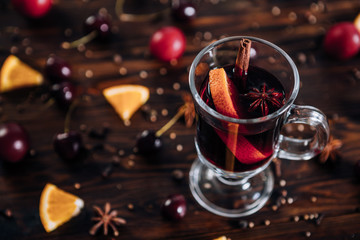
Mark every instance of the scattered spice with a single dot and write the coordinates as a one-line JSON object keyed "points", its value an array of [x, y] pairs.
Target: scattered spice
{"points": [[276, 11], [267, 222], [313, 199], [118, 186], [282, 183], [319, 219], [164, 112], [178, 175], [77, 186], [99, 134], [308, 234], [290, 200], [296, 218], [160, 91], [107, 171], [251, 224], [7, 213], [274, 208], [106, 218], [179, 147], [243, 224], [130, 206], [331, 150]]}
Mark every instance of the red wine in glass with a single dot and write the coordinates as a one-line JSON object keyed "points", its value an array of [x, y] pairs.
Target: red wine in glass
{"points": [[242, 150]]}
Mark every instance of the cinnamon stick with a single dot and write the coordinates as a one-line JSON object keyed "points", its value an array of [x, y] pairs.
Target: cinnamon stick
{"points": [[242, 62]]}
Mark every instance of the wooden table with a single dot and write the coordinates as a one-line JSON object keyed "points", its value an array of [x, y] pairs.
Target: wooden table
{"points": [[138, 186]]}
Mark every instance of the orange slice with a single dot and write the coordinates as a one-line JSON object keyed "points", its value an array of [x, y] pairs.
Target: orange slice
{"points": [[126, 99], [16, 74], [225, 97], [57, 207], [357, 22], [223, 93]]}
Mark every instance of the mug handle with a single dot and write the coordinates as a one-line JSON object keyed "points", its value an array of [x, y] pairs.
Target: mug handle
{"points": [[307, 146]]}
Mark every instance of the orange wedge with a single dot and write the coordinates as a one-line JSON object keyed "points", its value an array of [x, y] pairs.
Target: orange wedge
{"points": [[57, 207], [225, 97], [126, 99], [16, 74], [223, 92], [357, 22]]}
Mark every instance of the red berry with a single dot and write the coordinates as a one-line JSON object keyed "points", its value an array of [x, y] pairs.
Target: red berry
{"points": [[99, 22], [168, 43], [68, 145], [57, 69], [32, 8], [14, 142], [174, 207], [184, 11], [342, 41]]}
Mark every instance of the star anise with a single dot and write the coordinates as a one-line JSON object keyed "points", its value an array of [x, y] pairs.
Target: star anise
{"points": [[263, 97], [189, 113], [331, 150], [106, 218]]}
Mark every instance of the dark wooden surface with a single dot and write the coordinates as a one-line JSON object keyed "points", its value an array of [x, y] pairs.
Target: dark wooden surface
{"points": [[298, 28]]}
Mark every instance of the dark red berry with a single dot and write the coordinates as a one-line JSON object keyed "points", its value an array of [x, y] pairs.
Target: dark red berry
{"points": [[14, 142], [32, 8], [68, 145], [64, 93], [57, 69], [184, 11], [99, 22], [342, 41], [148, 142], [168, 43], [174, 207]]}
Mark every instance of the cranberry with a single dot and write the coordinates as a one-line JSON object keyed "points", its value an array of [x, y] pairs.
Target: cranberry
{"points": [[174, 207], [64, 93], [342, 41], [32, 8], [68, 145], [168, 43], [148, 142], [57, 69], [14, 142], [184, 11], [100, 22]]}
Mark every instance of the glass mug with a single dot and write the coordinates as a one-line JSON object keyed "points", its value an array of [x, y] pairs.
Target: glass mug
{"points": [[218, 180]]}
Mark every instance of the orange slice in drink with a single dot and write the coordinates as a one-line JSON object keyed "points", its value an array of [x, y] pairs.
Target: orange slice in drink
{"points": [[126, 99], [57, 207], [16, 74], [225, 97], [357, 22], [224, 93]]}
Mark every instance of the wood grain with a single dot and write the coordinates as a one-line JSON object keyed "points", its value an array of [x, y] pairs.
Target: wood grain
{"points": [[299, 28]]}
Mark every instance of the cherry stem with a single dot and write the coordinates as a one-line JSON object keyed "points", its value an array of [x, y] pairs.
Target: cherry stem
{"points": [[48, 104], [127, 17], [69, 114], [84, 40], [172, 121]]}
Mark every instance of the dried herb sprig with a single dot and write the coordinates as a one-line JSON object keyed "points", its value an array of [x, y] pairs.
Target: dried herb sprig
{"points": [[331, 150]]}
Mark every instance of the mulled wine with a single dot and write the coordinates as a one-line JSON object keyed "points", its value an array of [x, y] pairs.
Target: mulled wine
{"points": [[235, 147]]}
